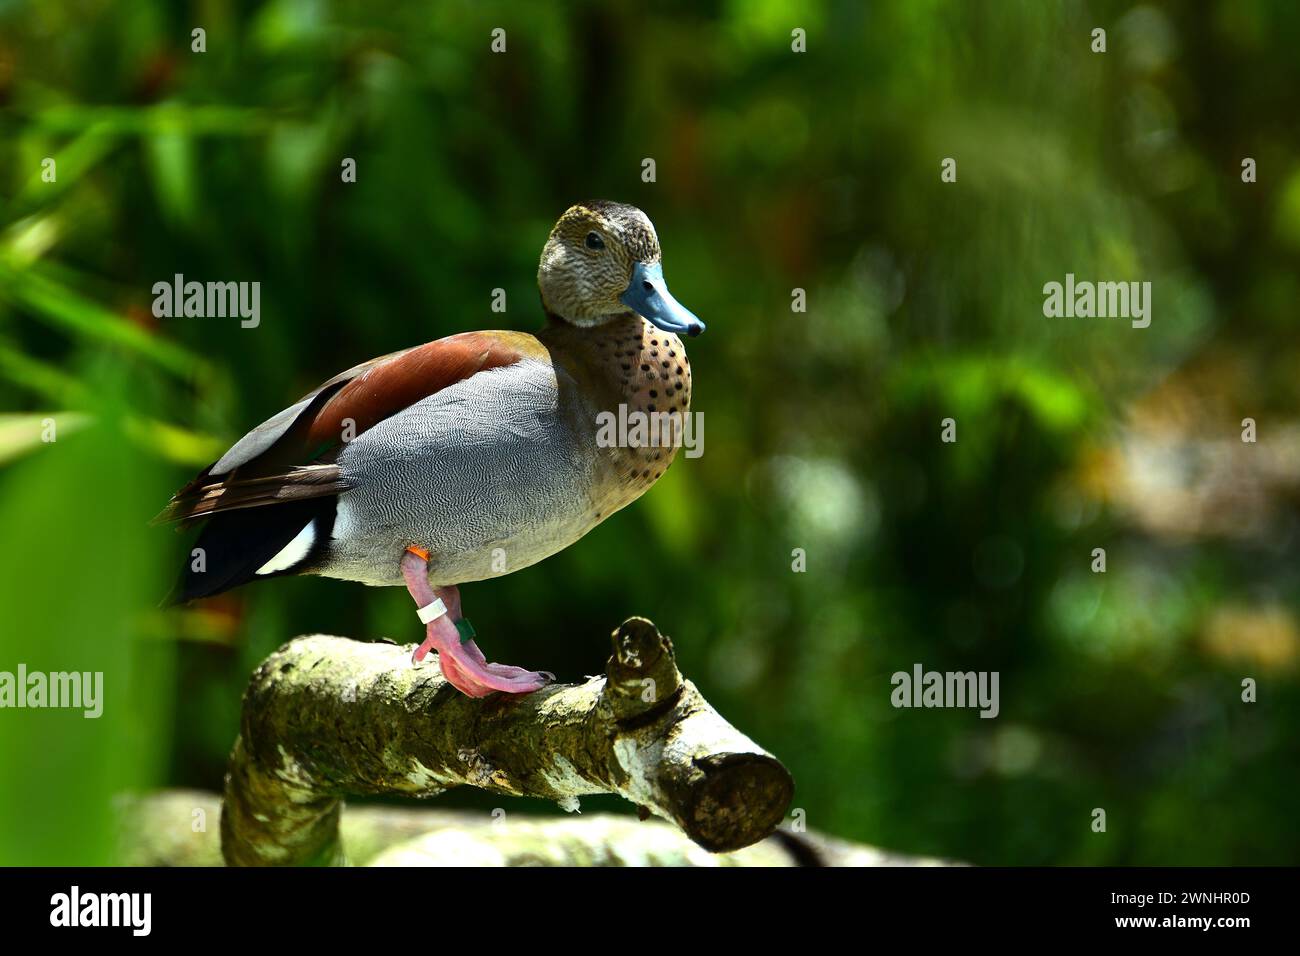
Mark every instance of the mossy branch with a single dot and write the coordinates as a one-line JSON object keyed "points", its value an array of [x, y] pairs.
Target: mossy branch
{"points": [[325, 717]]}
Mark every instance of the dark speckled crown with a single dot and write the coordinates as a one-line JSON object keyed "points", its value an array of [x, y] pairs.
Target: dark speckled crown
{"points": [[638, 234]]}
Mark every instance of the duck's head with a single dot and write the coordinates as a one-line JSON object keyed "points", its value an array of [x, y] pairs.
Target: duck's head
{"points": [[601, 262]]}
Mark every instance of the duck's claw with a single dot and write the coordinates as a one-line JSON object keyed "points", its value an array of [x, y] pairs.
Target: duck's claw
{"points": [[465, 667]]}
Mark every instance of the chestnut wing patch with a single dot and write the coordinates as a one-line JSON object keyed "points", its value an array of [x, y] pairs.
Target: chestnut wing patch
{"points": [[404, 379]]}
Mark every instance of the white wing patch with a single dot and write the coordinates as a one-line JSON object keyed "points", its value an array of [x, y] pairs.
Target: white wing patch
{"points": [[293, 552]]}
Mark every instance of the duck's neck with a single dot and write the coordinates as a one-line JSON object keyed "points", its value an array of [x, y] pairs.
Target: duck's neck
{"points": [[630, 370], [629, 362]]}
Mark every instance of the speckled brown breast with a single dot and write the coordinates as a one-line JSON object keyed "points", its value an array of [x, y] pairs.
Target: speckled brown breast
{"points": [[630, 362]]}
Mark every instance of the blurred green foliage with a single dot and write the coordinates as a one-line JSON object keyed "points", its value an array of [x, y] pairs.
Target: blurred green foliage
{"points": [[775, 171]]}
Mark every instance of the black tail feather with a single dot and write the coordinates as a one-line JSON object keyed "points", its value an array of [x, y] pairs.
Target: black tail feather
{"points": [[234, 544]]}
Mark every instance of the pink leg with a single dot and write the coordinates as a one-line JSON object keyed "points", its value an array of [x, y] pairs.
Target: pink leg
{"points": [[462, 663]]}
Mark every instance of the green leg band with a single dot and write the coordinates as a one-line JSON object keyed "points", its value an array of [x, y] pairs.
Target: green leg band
{"points": [[465, 629]]}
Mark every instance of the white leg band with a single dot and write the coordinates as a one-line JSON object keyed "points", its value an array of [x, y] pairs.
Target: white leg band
{"points": [[431, 612]]}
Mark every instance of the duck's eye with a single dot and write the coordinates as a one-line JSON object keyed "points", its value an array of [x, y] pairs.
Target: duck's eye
{"points": [[594, 241]]}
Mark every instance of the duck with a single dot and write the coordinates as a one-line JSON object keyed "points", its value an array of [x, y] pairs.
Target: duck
{"points": [[464, 458]]}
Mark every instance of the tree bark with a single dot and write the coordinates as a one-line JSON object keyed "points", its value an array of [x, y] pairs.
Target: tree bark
{"points": [[325, 717]]}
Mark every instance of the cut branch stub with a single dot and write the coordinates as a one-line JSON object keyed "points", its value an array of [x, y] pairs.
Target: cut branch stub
{"points": [[326, 716], [642, 672], [719, 793]]}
